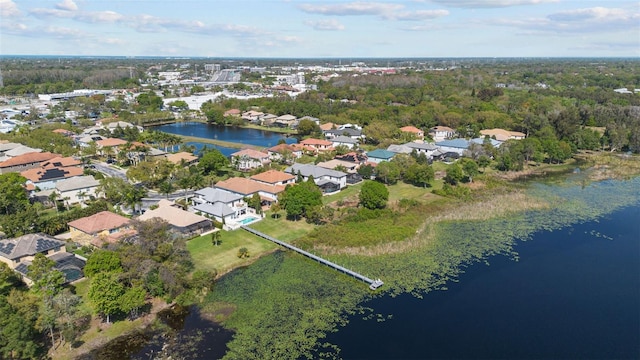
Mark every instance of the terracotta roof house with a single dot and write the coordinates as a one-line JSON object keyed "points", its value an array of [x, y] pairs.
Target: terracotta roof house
{"points": [[60, 162], [249, 159], [177, 158], [223, 206], [419, 134], [274, 177], [77, 189], [110, 142], [317, 145], [285, 152], [25, 162], [247, 187], [46, 178], [64, 132], [439, 133], [181, 221], [233, 112], [19, 253], [103, 227], [502, 135], [379, 155], [327, 126], [321, 176]]}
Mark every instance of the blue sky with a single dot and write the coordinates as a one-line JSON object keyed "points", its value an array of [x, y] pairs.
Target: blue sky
{"points": [[315, 28]]}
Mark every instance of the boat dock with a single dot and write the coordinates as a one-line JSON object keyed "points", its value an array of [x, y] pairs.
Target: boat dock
{"points": [[373, 284]]}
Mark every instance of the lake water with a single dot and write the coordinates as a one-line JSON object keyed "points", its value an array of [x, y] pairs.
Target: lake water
{"points": [[224, 133], [573, 294]]}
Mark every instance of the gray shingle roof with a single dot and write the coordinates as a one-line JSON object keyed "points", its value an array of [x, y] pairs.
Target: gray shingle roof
{"points": [[217, 209], [76, 183], [313, 170], [216, 195], [27, 245]]}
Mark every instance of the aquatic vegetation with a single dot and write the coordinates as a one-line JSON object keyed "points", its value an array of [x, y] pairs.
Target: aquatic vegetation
{"points": [[285, 304]]}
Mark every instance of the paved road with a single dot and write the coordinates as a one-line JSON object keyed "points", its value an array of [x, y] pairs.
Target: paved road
{"points": [[110, 171]]}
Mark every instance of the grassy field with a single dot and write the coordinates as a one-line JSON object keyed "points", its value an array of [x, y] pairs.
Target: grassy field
{"points": [[224, 257]]}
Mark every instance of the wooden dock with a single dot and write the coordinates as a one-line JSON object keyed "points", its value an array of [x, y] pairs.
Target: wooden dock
{"points": [[373, 284]]}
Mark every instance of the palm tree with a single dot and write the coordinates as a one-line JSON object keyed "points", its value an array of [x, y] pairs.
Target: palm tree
{"points": [[215, 238], [53, 197], [81, 195]]}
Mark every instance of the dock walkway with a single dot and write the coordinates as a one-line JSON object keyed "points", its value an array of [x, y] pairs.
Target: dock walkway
{"points": [[373, 284]]}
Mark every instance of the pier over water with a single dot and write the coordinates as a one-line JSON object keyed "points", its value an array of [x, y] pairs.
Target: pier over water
{"points": [[373, 284]]}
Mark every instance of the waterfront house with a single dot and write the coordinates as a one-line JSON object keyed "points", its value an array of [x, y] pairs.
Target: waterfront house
{"points": [[182, 222], [221, 205], [321, 176], [19, 253], [249, 159], [440, 133], [233, 113], [379, 155], [274, 177], [100, 228], [247, 187]]}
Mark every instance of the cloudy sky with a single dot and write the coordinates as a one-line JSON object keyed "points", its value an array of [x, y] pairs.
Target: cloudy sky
{"points": [[318, 28]]}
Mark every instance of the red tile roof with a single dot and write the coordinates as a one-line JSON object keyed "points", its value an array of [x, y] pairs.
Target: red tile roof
{"points": [[60, 162], [53, 173], [28, 158], [273, 176], [254, 154], [316, 142], [110, 142], [246, 186], [104, 220], [411, 129]]}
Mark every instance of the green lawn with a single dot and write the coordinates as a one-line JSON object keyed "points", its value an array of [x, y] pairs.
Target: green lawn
{"points": [[401, 190]]}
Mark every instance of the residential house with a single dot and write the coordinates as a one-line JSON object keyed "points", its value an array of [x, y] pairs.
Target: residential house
{"points": [[25, 162], [61, 162], [349, 167], [484, 140], [353, 157], [20, 150], [458, 146], [285, 152], [233, 113], [344, 141], [440, 133], [286, 120], [274, 177], [267, 119], [317, 145], [181, 221], [46, 178], [183, 158], [419, 147], [109, 146], [64, 132], [353, 133], [310, 118], [223, 206], [502, 135], [247, 187], [248, 159], [379, 155], [328, 126], [98, 229], [328, 180], [19, 253], [417, 133], [77, 189], [252, 116]]}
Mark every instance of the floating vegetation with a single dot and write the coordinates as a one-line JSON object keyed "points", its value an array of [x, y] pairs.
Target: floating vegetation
{"points": [[285, 304]]}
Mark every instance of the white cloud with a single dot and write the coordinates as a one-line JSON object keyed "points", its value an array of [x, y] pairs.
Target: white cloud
{"points": [[325, 25], [354, 8], [479, 4], [67, 5], [420, 15], [108, 17], [8, 9], [64, 32], [588, 20]]}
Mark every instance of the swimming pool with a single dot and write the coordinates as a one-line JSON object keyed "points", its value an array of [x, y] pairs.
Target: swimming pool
{"points": [[248, 220]]}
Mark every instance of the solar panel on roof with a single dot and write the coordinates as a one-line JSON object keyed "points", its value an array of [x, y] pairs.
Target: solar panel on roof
{"points": [[7, 248], [22, 268], [52, 174], [45, 244]]}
